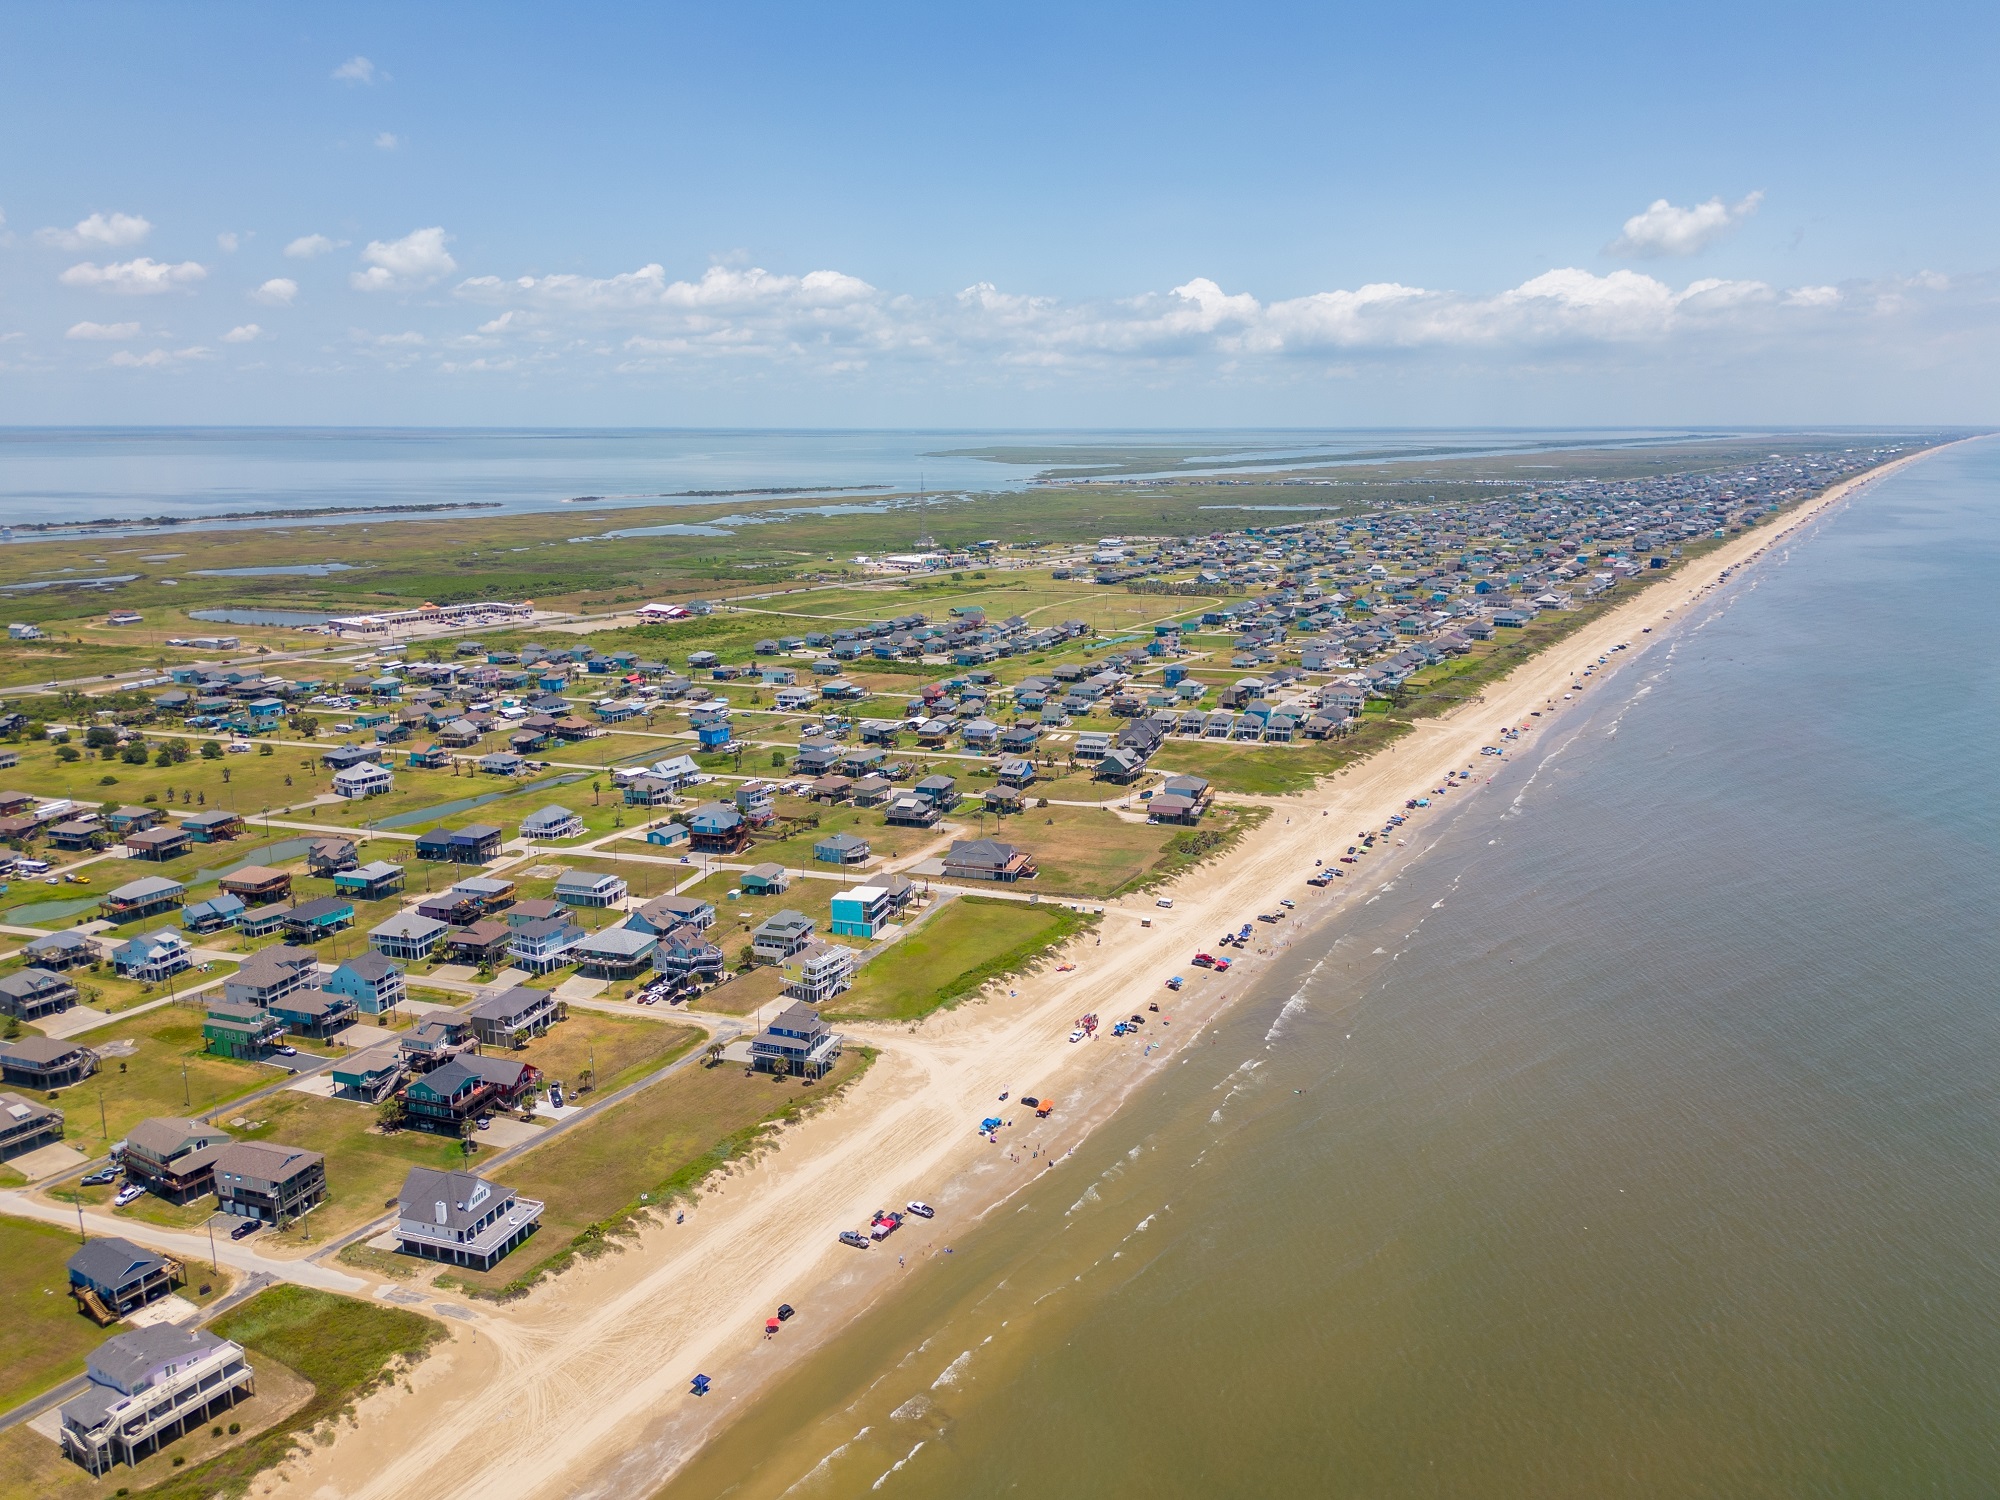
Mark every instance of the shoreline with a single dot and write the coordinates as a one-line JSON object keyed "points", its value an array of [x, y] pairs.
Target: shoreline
{"points": [[585, 1390]]}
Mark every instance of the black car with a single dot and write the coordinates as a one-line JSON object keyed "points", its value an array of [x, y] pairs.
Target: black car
{"points": [[247, 1228], [785, 1311]]}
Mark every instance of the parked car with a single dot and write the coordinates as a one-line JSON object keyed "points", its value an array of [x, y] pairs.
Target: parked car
{"points": [[247, 1228], [101, 1176], [855, 1238], [130, 1193], [1165, 902], [923, 1210], [288, 1050], [785, 1312]]}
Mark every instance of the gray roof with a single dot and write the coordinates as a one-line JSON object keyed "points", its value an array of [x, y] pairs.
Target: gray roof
{"points": [[147, 888], [29, 983], [111, 1261], [465, 1196], [265, 1160], [40, 1049], [128, 1357], [408, 924], [508, 1004], [616, 942], [370, 966], [163, 1136]]}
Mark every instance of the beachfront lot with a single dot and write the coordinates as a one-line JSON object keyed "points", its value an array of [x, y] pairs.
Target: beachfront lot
{"points": [[44, 1335], [659, 1144], [947, 956]]}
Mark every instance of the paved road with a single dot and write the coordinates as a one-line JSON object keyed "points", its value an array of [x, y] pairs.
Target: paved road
{"points": [[238, 1255]]}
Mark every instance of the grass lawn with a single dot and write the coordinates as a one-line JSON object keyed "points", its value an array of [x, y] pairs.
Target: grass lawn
{"points": [[344, 1347], [363, 1166], [149, 1081], [641, 877], [1270, 770], [735, 919], [796, 852], [746, 992], [625, 1047], [661, 1143], [1083, 851], [43, 1337], [950, 955]]}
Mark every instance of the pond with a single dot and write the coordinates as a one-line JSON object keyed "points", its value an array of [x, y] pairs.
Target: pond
{"points": [[259, 616], [443, 810], [276, 570]]}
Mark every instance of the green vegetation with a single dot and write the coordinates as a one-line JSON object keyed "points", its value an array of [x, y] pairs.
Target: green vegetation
{"points": [[43, 1338], [344, 1347], [364, 1167], [1087, 851], [951, 954], [597, 1178], [625, 1048], [167, 1073]]}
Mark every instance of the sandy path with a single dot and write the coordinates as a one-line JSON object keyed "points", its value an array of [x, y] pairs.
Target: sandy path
{"points": [[588, 1389]]}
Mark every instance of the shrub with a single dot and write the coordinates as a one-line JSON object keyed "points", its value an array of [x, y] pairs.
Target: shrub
{"points": [[68, 753]]}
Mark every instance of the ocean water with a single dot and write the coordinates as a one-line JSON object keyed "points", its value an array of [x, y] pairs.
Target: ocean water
{"points": [[83, 474], [1642, 1140]]}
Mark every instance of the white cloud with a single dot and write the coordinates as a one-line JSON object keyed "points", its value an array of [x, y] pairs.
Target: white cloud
{"points": [[358, 70], [228, 240], [387, 142], [159, 359], [307, 246], [110, 230], [244, 333], [417, 259], [1813, 296], [102, 331], [279, 291], [134, 277], [1664, 230]]}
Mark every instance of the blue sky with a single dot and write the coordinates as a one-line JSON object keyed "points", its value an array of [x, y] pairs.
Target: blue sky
{"points": [[997, 215]]}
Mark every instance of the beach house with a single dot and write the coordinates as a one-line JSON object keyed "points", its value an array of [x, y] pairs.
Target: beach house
{"points": [[797, 1043], [172, 1157], [552, 822], [121, 1276], [819, 971], [268, 1182], [372, 981], [780, 935], [862, 911], [407, 936], [987, 859], [462, 1218], [148, 1387], [30, 994], [45, 1062], [590, 888], [367, 779], [145, 897], [152, 957], [511, 1017]]}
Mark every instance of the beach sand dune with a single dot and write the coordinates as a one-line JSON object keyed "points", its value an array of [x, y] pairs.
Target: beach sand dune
{"points": [[580, 1388]]}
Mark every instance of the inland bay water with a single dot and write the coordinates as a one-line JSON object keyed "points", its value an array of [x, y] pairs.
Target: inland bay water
{"points": [[1642, 1140]]}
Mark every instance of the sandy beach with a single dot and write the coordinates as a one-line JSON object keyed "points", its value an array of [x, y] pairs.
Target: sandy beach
{"points": [[581, 1387]]}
